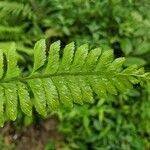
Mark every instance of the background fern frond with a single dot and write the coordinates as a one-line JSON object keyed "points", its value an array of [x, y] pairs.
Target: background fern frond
{"points": [[10, 33], [67, 79], [16, 9]]}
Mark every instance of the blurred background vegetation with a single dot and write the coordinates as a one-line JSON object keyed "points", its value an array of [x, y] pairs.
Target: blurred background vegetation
{"points": [[118, 123]]}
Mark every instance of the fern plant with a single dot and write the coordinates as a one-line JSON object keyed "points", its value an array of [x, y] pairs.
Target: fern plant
{"points": [[56, 79], [16, 9]]}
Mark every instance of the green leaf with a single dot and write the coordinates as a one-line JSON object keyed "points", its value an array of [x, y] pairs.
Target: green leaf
{"points": [[117, 64], [119, 84], [98, 86], [87, 93], [75, 89], [134, 60], [1, 64], [110, 87], [91, 59], [126, 46], [12, 68], [64, 79], [39, 96], [131, 69], [11, 100], [142, 48], [51, 94], [39, 54], [24, 99], [79, 58], [2, 101], [53, 59], [67, 58], [105, 59], [64, 91]]}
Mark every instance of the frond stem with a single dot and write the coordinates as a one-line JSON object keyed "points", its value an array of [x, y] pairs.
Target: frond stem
{"points": [[36, 76]]}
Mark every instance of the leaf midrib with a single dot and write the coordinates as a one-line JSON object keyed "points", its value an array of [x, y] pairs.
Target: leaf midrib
{"points": [[38, 76]]}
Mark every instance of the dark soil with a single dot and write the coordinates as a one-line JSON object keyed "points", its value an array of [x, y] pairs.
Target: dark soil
{"points": [[33, 137]]}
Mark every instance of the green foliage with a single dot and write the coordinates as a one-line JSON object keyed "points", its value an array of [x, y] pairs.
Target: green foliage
{"points": [[57, 80], [16, 9], [102, 125], [121, 25]]}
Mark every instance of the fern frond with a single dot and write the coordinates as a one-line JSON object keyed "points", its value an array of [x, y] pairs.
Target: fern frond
{"points": [[16, 9], [10, 33], [67, 79], [19, 46]]}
